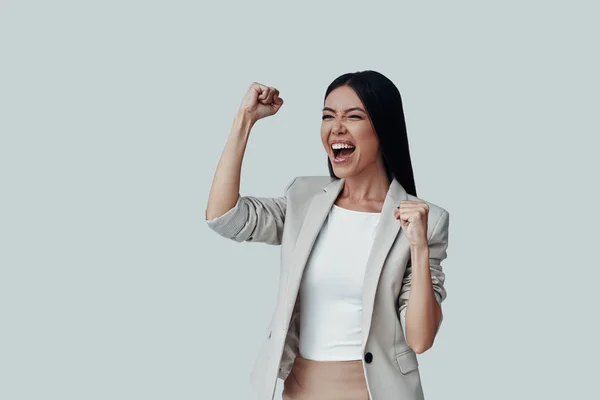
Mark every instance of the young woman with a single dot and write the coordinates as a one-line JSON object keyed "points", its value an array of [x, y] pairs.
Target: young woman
{"points": [[361, 282]]}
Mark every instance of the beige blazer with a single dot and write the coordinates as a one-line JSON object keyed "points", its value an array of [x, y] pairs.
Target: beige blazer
{"points": [[293, 221]]}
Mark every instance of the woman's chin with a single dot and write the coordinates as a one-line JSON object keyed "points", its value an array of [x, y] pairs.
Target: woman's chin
{"points": [[342, 171]]}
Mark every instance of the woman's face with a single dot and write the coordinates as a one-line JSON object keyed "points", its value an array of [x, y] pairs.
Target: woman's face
{"points": [[345, 120]]}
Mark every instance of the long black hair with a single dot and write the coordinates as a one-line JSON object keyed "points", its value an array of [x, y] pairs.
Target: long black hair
{"points": [[384, 105]]}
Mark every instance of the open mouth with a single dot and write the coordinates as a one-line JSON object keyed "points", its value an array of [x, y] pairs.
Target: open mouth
{"points": [[343, 153]]}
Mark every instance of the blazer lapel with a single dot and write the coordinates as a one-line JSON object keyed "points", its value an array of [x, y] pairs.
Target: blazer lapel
{"points": [[386, 232], [318, 210]]}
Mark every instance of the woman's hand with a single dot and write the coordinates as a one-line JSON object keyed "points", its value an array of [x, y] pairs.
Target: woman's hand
{"points": [[260, 101], [413, 216]]}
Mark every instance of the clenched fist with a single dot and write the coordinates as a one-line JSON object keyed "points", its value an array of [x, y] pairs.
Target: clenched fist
{"points": [[260, 101], [413, 217]]}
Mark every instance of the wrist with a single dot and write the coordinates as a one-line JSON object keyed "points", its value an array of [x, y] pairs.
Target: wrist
{"points": [[419, 250], [245, 117]]}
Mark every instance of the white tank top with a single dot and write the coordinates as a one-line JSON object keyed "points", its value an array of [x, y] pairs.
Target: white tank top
{"points": [[332, 287]]}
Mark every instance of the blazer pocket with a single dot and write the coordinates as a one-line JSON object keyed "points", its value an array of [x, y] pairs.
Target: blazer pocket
{"points": [[407, 361]]}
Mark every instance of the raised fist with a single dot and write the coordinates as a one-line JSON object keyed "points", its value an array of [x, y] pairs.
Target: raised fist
{"points": [[261, 101]]}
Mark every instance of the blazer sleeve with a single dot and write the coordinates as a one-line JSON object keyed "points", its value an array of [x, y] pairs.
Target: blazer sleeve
{"points": [[438, 244], [253, 219]]}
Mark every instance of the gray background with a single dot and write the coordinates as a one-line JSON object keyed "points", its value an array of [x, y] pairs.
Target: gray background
{"points": [[113, 117]]}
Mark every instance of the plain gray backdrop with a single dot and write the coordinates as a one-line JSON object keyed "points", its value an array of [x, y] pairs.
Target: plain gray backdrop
{"points": [[114, 114]]}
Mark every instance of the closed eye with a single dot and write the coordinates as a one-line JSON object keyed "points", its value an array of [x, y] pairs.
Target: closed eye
{"points": [[352, 116]]}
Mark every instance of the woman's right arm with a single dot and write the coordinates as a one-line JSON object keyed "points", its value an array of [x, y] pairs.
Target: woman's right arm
{"points": [[225, 188], [245, 218]]}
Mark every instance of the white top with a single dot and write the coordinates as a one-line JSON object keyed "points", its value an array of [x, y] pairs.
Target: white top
{"points": [[332, 287]]}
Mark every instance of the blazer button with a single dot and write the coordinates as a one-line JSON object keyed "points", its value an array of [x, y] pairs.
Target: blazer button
{"points": [[368, 358]]}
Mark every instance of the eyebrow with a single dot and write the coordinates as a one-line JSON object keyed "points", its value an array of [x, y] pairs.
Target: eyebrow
{"points": [[347, 111]]}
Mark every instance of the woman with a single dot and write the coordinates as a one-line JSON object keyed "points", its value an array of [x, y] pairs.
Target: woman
{"points": [[355, 246]]}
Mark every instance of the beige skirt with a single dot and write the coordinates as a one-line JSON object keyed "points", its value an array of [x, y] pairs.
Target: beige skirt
{"points": [[325, 380]]}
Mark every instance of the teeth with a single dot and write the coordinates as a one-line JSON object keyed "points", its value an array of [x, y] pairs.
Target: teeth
{"points": [[336, 146]]}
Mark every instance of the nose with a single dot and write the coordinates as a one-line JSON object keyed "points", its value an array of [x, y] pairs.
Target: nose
{"points": [[338, 128]]}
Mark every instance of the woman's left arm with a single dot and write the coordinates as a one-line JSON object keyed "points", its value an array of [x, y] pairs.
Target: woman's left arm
{"points": [[422, 289]]}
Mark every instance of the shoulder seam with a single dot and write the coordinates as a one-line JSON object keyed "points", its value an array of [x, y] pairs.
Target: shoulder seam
{"points": [[437, 224], [290, 184]]}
